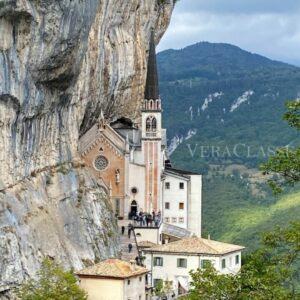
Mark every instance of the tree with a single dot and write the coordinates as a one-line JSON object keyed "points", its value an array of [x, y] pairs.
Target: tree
{"points": [[292, 116], [271, 272], [52, 283], [286, 162], [210, 285], [163, 288]]}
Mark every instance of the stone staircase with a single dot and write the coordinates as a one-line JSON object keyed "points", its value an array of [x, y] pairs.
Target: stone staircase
{"points": [[125, 241]]}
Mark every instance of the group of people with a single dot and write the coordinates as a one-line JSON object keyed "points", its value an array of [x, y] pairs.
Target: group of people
{"points": [[141, 219], [147, 219]]}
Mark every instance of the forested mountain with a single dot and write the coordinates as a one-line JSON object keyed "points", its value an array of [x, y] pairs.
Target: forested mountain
{"points": [[223, 109]]}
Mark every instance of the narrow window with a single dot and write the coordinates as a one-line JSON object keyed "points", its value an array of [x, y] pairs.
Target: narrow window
{"points": [[181, 220], [150, 104], [167, 219], [148, 124], [158, 261], [237, 259], [140, 278], [157, 104], [181, 263], [167, 185], [181, 205], [181, 185], [117, 206], [167, 205], [174, 220], [223, 263], [128, 282], [156, 282], [154, 124]]}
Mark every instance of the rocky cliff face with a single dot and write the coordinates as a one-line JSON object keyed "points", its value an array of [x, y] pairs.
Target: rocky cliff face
{"points": [[61, 62]]}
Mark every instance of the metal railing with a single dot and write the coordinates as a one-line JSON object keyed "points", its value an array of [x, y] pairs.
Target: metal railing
{"points": [[141, 224]]}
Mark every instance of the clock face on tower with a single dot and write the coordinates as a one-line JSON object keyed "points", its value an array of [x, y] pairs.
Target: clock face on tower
{"points": [[101, 163]]}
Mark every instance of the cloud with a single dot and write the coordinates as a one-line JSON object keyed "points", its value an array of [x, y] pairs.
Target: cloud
{"points": [[240, 6], [267, 27]]}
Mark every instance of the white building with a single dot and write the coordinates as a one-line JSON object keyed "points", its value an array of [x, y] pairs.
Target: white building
{"points": [[174, 261], [182, 199], [129, 161], [114, 279]]}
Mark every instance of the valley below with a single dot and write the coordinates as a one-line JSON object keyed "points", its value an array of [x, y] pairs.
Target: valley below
{"points": [[223, 112]]}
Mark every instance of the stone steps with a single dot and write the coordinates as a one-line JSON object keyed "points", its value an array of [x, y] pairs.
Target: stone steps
{"points": [[125, 241]]}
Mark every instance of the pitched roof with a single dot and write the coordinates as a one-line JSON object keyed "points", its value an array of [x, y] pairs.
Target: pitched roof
{"points": [[179, 172], [195, 245], [146, 244], [113, 268], [152, 89]]}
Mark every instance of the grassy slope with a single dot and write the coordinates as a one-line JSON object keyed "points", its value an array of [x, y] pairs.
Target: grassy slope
{"points": [[230, 213]]}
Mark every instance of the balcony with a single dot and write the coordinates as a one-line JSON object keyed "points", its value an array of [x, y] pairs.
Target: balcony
{"points": [[151, 134]]}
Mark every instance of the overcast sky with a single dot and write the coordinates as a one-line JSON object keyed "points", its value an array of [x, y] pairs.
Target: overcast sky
{"points": [[267, 27]]}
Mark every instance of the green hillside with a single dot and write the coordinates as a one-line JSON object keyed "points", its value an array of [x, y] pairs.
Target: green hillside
{"points": [[223, 110], [244, 95], [232, 214]]}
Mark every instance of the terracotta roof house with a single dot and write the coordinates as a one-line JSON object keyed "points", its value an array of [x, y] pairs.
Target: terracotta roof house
{"points": [[114, 279], [174, 261], [146, 245], [195, 245]]}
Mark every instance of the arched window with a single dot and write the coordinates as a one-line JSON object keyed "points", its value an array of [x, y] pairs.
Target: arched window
{"points": [[151, 124], [151, 104], [157, 104], [154, 124], [148, 124]]}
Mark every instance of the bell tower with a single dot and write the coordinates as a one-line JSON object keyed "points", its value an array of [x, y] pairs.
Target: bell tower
{"points": [[152, 133]]}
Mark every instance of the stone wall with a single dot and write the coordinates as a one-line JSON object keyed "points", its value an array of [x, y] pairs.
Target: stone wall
{"points": [[61, 61]]}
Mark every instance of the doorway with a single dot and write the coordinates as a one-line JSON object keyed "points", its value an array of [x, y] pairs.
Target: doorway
{"points": [[133, 208]]}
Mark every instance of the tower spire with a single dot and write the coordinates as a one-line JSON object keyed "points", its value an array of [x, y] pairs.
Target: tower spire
{"points": [[152, 89]]}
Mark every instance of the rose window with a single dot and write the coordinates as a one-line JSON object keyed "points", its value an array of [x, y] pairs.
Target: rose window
{"points": [[101, 163]]}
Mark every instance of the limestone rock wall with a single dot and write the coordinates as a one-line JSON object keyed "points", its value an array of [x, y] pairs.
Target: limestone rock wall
{"points": [[61, 62]]}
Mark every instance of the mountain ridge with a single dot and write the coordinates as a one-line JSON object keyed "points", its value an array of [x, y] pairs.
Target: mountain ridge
{"points": [[219, 98], [222, 51], [212, 91], [207, 43]]}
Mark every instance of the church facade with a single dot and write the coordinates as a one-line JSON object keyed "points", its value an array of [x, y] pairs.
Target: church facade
{"points": [[131, 163]]}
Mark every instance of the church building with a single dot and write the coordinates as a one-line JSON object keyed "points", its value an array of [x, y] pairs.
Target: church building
{"points": [[131, 163]]}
